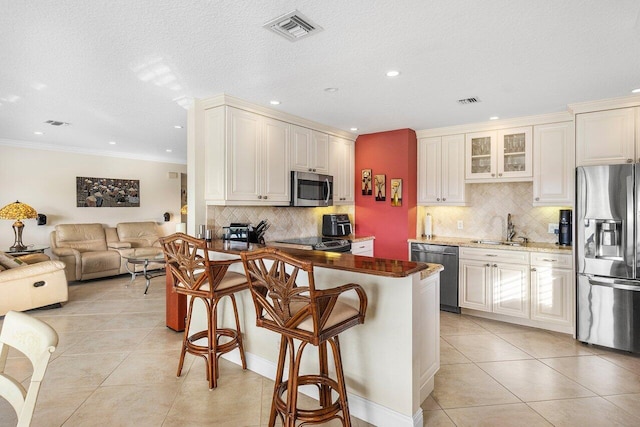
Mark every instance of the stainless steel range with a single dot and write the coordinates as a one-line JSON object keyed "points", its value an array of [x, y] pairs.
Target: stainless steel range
{"points": [[317, 244]]}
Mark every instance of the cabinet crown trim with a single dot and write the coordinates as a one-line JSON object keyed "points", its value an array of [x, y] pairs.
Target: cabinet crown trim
{"points": [[232, 101], [497, 124]]}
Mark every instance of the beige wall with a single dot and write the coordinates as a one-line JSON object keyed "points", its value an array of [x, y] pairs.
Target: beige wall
{"points": [[486, 215], [46, 179]]}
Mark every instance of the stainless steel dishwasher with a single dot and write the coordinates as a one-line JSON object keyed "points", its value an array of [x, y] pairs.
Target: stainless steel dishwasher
{"points": [[448, 257]]}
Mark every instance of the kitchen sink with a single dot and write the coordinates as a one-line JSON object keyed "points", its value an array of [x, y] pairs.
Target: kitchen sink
{"points": [[496, 242]]}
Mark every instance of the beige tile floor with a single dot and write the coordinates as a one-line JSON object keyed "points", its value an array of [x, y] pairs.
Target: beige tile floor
{"points": [[115, 366]]}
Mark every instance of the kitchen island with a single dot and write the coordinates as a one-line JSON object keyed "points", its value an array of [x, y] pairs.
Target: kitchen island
{"points": [[389, 361]]}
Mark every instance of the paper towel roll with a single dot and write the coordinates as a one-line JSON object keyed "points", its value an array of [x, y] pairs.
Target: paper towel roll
{"points": [[428, 226], [181, 227]]}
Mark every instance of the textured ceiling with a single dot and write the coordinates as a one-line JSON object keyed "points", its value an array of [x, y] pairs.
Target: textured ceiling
{"points": [[124, 70]]}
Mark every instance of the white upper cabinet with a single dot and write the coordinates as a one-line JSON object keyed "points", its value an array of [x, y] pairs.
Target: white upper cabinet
{"points": [[499, 156], [309, 150], [607, 137], [553, 164], [246, 158], [441, 171], [342, 167]]}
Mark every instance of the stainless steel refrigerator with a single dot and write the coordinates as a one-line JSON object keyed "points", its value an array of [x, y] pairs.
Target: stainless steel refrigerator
{"points": [[607, 245]]}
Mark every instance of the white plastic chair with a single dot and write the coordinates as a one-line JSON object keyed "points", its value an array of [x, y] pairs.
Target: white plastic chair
{"points": [[36, 340]]}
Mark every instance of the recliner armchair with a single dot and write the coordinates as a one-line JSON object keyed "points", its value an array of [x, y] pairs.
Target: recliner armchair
{"points": [[83, 249], [32, 285]]}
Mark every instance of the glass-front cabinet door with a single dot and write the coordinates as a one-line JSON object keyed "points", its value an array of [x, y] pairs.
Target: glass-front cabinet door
{"points": [[481, 155], [502, 155], [514, 153]]}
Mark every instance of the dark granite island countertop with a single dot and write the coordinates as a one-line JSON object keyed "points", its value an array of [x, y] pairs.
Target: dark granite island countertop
{"points": [[340, 261]]}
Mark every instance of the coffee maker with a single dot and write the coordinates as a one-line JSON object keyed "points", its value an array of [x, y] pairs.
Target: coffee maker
{"points": [[564, 232]]}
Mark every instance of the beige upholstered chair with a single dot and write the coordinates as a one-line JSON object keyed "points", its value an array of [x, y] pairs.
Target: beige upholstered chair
{"points": [[194, 275], [37, 283], [307, 314], [36, 340], [83, 249]]}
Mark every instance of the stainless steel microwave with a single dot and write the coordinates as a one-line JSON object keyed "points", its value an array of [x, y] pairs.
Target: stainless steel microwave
{"points": [[311, 189]]}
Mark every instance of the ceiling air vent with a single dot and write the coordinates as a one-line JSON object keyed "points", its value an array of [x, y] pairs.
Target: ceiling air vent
{"points": [[468, 100], [293, 26], [56, 123]]}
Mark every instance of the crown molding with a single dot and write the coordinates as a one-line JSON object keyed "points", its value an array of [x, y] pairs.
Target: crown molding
{"points": [[89, 152], [232, 101], [540, 119], [605, 104]]}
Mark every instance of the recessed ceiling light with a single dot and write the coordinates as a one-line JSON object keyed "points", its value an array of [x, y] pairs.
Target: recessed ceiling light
{"points": [[494, 118], [168, 150], [38, 133], [112, 143], [353, 129], [636, 90], [393, 73], [274, 102], [178, 127], [331, 89]]}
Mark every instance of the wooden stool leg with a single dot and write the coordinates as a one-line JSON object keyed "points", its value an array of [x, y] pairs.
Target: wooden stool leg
{"points": [[185, 337], [240, 346], [278, 380], [337, 357], [325, 390], [213, 343], [292, 388]]}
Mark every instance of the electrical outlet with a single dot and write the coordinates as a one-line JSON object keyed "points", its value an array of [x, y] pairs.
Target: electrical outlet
{"points": [[553, 228], [460, 224]]}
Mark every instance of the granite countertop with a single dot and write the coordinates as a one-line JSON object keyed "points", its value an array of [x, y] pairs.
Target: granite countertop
{"points": [[341, 261], [467, 242]]}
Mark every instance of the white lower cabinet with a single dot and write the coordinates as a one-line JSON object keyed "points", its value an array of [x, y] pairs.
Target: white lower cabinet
{"points": [[487, 284], [536, 286], [552, 288], [475, 284], [364, 248]]}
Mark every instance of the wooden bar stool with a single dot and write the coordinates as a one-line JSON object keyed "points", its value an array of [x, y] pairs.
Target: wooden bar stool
{"points": [[196, 276], [309, 315]]}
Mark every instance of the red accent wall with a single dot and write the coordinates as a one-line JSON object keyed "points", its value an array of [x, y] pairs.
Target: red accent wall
{"points": [[393, 154]]}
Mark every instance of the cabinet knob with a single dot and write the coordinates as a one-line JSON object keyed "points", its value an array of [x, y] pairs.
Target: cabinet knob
{"points": [[487, 265], [493, 175], [495, 265], [264, 197], [444, 200], [533, 269], [629, 161], [438, 199], [537, 199], [259, 197], [500, 174]]}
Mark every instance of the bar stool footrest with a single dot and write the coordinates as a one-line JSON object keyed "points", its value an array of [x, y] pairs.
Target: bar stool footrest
{"points": [[318, 415], [203, 350]]}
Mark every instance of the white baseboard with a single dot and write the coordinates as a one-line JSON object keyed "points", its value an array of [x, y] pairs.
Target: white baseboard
{"points": [[359, 407]]}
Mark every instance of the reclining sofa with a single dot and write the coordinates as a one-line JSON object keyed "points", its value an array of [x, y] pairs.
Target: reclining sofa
{"points": [[91, 251]]}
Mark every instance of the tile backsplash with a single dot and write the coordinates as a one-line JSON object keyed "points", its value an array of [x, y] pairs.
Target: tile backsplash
{"points": [[486, 215], [285, 222]]}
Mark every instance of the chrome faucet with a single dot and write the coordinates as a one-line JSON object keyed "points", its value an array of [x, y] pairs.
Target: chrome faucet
{"points": [[511, 229]]}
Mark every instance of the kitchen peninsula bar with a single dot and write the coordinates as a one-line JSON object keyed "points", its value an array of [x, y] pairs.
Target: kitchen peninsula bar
{"points": [[390, 361]]}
